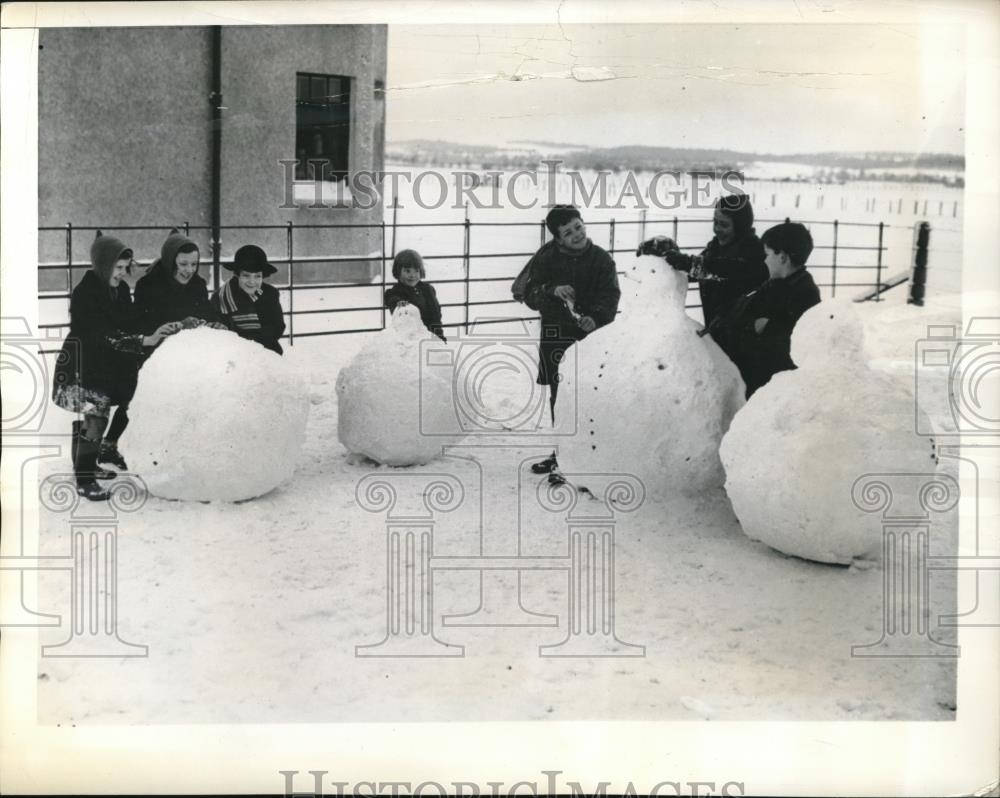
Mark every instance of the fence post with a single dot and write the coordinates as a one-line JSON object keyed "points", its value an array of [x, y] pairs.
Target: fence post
{"points": [[395, 212], [466, 260], [291, 286], [611, 236], [833, 279], [382, 298], [918, 278], [69, 256], [187, 229], [878, 264], [675, 226], [542, 231], [642, 227]]}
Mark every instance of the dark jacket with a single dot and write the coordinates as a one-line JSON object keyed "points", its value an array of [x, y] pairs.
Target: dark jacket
{"points": [[103, 350], [592, 275], [724, 273], [424, 297], [761, 355], [262, 320], [160, 298]]}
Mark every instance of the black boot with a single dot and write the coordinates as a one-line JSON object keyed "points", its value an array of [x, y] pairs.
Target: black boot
{"points": [[110, 455], [83, 466], [99, 473], [546, 466]]}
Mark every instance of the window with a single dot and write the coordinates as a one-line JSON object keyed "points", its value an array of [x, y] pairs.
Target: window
{"points": [[322, 126]]}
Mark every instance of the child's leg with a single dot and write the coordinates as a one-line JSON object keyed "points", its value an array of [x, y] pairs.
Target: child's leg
{"points": [[109, 452], [85, 461]]}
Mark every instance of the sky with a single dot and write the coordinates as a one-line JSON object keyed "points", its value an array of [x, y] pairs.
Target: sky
{"points": [[766, 88]]}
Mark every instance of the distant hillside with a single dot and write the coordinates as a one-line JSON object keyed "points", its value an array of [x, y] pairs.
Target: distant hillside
{"points": [[525, 154]]}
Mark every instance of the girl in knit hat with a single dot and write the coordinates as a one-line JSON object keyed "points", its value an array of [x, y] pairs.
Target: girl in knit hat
{"points": [[412, 288], [99, 362], [246, 304], [731, 264], [172, 289]]}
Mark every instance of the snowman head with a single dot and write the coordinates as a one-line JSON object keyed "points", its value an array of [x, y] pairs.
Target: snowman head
{"points": [[828, 332], [659, 285], [406, 321]]}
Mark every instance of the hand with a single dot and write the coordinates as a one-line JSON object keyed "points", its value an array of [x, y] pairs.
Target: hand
{"points": [[216, 325], [658, 245], [191, 322], [587, 324], [169, 328], [565, 293], [759, 325]]}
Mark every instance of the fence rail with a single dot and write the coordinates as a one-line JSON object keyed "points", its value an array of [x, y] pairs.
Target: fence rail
{"points": [[468, 259]]}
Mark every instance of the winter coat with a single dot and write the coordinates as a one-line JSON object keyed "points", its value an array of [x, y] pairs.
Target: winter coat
{"points": [[103, 351], [160, 299], [424, 298], [724, 273], [261, 320], [761, 355], [593, 277]]}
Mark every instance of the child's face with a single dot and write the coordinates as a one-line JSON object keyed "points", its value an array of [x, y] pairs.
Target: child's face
{"points": [[187, 267], [250, 282], [723, 227], [409, 275], [777, 262], [118, 272], [572, 235]]}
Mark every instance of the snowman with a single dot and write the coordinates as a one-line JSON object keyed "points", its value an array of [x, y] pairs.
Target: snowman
{"points": [[794, 452], [651, 396]]}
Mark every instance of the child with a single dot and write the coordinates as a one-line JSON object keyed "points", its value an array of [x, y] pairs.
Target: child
{"points": [[410, 288], [573, 284], [172, 289], [246, 304], [730, 265], [763, 319], [99, 362]]}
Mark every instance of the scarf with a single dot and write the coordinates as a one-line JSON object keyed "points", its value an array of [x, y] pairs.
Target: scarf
{"points": [[235, 303]]}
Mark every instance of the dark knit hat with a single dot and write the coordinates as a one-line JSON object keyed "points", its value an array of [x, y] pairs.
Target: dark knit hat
{"points": [[738, 208], [251, 258], [105, 252], [166, 264]]}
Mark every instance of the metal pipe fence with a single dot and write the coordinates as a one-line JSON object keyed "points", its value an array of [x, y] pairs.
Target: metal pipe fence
{"points": [[831, 268]]}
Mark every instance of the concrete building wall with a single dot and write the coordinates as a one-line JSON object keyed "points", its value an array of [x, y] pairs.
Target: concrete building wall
{"points": [[125, 125], [124, 132]]}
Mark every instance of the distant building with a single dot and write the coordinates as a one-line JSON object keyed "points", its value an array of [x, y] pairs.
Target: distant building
{"points": [[132, 133]]}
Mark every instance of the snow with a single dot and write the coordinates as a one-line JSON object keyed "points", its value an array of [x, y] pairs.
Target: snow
{"points": [[794, 453], [215, 417], [390, 405], [650, 364], [252, 611]]}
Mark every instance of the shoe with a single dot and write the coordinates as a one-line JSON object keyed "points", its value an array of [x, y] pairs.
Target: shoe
{"points": [[99, 473], [545, 466], [84, 465], [109, 454]]}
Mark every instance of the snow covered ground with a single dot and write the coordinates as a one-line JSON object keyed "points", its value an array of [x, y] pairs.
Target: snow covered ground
{"points": [[252, 611]]}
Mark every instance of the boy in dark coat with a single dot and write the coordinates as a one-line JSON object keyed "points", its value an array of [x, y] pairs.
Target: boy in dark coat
{"points": [[172, 289], [762, 320], [730, 265], [99, 362], [246, 304], [411, 288], [573, 284]]}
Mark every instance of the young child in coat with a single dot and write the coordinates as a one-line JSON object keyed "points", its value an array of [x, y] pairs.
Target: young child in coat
{"points": [[172, 289], [411, 288], [762, 320], [573, 284], [246, 304], [99, 362], [731, 264]]}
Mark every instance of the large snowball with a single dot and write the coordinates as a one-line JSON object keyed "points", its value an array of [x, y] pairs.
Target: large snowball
{"points": [[793, 454], [651, 398], [389, 408], [215, 417]]}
